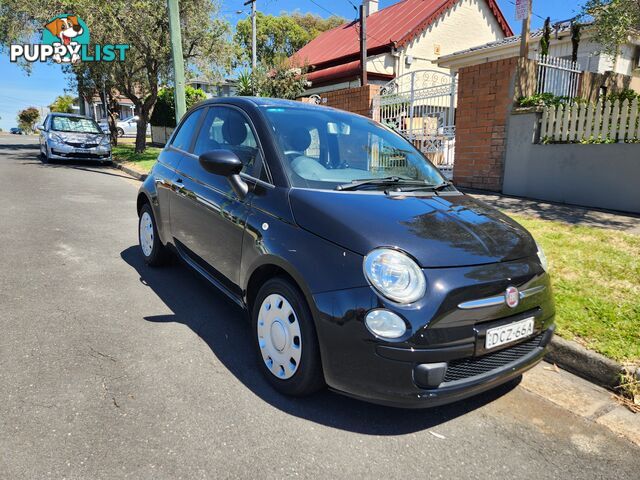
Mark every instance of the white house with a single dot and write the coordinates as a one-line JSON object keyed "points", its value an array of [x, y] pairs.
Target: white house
{"points": [[407, 36]]}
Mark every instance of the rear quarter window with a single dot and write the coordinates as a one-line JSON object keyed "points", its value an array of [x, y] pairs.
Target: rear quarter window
{"points": [[182, 139]]}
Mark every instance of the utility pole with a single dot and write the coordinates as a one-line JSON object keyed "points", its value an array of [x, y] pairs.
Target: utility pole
{"points": [[363, 45], [526, 25], [178, 59], [254, 46]]}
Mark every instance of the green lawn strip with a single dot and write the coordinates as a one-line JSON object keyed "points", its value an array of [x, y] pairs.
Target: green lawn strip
{"points": [[596, 279], [141, 161]]}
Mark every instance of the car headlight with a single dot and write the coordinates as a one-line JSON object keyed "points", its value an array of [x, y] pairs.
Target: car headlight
{"points": [[542, 257], [106, 141], [395, 275], [56, 138]]}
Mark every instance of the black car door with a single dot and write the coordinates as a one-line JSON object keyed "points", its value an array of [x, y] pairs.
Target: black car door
{"points": [[165, 170], [207, 217]]}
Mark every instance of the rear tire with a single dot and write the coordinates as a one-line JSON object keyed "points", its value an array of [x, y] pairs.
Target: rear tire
{"points": [[285, 339], [153, 251]]}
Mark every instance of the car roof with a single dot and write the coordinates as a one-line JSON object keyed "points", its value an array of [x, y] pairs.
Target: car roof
{"points": [[74, 115], [269, 102]]}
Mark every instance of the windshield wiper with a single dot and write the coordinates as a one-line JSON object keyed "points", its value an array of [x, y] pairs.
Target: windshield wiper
{"points": [[355, 184], [435, 188]]}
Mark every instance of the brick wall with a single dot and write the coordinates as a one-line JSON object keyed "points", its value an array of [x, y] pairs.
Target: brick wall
{"points": [[357, 100], [485, 100]]}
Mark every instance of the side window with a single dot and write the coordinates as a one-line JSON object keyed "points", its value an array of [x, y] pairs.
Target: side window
{"points": [[182, 139], [227, 129]]}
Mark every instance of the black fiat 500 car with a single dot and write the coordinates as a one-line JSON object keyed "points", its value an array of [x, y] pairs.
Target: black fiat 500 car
{"points": [[360, 266]]}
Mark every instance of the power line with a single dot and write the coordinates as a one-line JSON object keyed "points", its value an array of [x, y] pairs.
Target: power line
{"points": [[532, 12], [324, 8]]}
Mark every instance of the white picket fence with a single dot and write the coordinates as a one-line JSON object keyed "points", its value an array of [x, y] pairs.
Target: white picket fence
{"points": [[559, 76], [611, 121]]}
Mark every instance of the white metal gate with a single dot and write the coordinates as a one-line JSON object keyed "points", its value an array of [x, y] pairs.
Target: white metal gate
{"points": [[420, 106]]}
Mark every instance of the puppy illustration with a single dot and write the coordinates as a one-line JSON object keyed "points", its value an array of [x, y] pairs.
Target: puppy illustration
{"points": [[66, 29]]}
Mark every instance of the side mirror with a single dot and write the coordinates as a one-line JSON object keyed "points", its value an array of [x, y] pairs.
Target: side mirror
{"points": [[40, 127], [227, 164]]}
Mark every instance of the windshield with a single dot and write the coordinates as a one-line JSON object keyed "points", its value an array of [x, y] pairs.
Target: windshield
{"points": [[325, 148], [74, 124]]}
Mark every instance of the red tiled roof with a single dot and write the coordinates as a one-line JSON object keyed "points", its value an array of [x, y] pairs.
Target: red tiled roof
{"points": [[396, 25], [342, 71]]}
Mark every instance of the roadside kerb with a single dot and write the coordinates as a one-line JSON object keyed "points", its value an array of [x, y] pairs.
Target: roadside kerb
{"points": [[129, 171], [585, 363]]}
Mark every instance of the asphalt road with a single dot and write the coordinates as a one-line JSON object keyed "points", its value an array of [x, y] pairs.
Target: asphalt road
{"points": [[109, 369]]}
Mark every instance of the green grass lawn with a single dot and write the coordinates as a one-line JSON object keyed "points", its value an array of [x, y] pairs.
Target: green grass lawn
{"points": [[142, 161], [596, 280]]}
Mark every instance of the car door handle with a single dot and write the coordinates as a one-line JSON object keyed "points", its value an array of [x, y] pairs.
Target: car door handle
{"points": [[177, 185]]}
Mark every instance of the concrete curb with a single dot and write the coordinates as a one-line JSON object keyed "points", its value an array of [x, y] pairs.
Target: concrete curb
{"points": [[129, 171], [589, 365]]}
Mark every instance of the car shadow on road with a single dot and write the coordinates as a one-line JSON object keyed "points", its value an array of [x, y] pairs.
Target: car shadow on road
{"points": [[225, 329], [84, 165]]}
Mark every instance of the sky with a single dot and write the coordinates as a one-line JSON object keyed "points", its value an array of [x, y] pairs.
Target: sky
{"points": [[19, 90]]}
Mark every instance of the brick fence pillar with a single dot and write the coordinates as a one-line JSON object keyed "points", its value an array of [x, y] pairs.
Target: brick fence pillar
{"points": [[356, 100], [485, 99]]}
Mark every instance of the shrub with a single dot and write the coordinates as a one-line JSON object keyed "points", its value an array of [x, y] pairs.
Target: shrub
{"points": [[164, 113]]}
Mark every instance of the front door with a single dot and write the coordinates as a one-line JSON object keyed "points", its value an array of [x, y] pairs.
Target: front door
{"points": [[207, 217]]}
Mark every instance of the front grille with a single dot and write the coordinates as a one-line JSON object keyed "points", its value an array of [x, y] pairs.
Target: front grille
{"points": [[82, 145], [81, 155], [473, 366]]}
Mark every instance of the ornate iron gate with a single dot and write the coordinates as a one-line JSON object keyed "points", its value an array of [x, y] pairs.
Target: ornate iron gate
{"points": [[420, 106]]}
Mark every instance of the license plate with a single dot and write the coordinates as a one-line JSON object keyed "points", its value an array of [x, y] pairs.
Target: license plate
{"points": [[508, 333], [81, 150]]}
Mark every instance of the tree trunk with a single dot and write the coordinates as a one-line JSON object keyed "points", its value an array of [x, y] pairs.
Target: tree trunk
{"points": [[141, 130]]}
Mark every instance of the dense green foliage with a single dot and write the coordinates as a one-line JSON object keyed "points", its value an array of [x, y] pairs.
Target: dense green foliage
{"points": [[164, 113], [62, 104], [281, 81], [279, 36], [545, 41], [614, 21]]}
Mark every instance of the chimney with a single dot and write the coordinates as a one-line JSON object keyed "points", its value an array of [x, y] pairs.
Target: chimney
{"points": [[370, 6]]}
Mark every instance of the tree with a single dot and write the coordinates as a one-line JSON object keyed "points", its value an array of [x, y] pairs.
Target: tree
{"points": [[284, 80], [614, 21], [144, 25], [575, 40], [279, 37], [28, 118], [546, 37], [62, 104]]}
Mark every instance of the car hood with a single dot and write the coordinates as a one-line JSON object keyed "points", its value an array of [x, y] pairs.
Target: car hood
{"points": [[78, 137], [438, 231]]}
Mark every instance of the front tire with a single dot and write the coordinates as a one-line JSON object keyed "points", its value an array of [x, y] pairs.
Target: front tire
{"points": [[44, 155], [120, 132], [154, 253], [285, 339]]}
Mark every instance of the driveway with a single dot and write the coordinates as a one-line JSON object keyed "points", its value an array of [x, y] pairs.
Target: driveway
{"points": [[109, 369]]}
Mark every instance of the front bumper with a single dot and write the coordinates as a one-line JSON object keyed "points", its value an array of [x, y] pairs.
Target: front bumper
{"points": [[61, 151], [442, 360]]}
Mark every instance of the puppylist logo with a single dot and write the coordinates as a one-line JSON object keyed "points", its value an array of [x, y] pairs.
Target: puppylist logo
{"points": [[65, 39]]}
